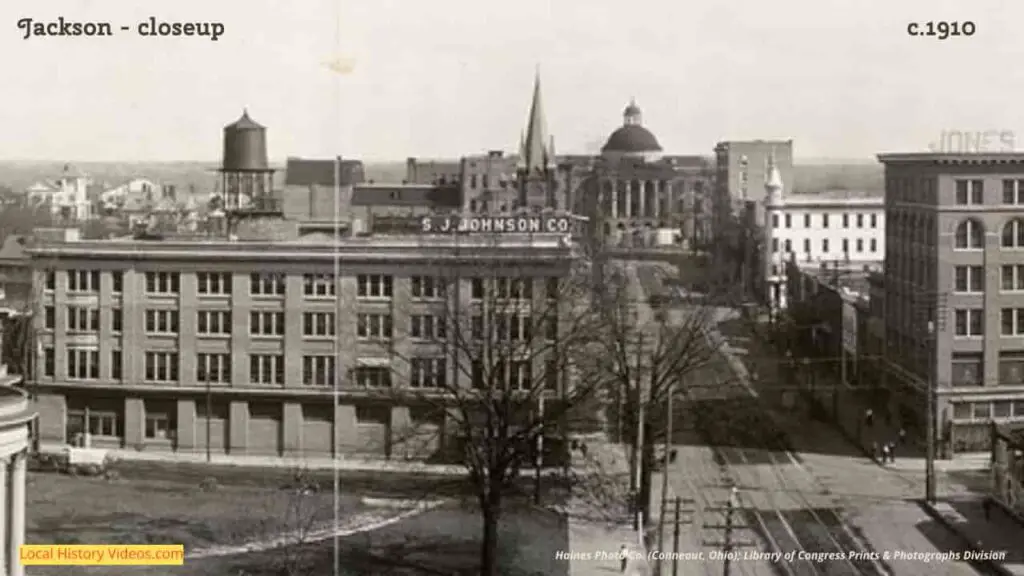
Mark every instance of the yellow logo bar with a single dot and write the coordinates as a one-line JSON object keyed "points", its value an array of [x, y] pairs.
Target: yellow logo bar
{"points": [[102, 555]]}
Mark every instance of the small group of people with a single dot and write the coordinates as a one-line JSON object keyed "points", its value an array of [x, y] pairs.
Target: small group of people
{"points": [[886, 451]]}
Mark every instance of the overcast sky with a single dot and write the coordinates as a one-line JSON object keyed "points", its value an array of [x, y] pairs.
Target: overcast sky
{"points": [[450, 77]]}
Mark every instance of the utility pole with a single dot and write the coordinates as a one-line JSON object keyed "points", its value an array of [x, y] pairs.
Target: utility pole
{"points": [[666, 460], [675, 538], [639, 437], [538, 459], [209, 410], [729, 543], [930, 422]]}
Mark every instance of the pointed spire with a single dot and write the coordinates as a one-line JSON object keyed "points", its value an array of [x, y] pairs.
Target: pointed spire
{"points": [[773, 180], [534, 156]]}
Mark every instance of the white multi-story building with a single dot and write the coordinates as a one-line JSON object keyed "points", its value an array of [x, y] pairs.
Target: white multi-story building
{"points": [[838, 230]]}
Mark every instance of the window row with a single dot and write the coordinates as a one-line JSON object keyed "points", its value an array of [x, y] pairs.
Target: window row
{"points": [[861, 219], [787, 245], [368, 286], [970, 235], [972, 192]]}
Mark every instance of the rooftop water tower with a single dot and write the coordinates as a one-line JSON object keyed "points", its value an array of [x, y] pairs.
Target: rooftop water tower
{"points": [[247, 180]]}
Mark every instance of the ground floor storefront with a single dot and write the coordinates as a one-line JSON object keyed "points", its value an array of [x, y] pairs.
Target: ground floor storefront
{"points": [[240, 425]]}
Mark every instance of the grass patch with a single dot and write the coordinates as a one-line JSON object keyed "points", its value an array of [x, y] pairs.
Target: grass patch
{"points": [[68, 510]]}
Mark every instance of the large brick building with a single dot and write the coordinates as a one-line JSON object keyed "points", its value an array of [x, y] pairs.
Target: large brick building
{"points": [[149, 344], [954, 290]]}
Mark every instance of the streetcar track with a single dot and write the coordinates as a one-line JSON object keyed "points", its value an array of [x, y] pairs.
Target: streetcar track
{"points": [[838, 538]]}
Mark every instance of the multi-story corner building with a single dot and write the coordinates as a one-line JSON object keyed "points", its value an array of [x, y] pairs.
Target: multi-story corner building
{"points": [[150, 344], [954, 290], [838, 230]]}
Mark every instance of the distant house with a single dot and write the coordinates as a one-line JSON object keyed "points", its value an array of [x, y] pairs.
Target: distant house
{"points": [[131, 196], [67, 196]]}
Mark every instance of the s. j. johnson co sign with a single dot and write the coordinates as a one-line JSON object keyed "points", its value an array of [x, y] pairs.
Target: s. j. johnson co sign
{"points": [[526, 224]]}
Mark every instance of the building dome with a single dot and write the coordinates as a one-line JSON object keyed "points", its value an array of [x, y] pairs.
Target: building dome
{"points": [[632, 139]]}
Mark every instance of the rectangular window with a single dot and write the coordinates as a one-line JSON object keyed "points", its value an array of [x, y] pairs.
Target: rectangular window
{"points": [[118, 281], [213, 283], [115, 365], [519, 376], [775, 220], [266, 323], [266, 284], [552, 288], [807, 220], [1013, 192], [374, 286], [970, 192], [83, 364], [824, 220], [213, 368], [49, 317], [161, 367], [266, 369], [216, 322], [860, 220], [969, 279], [320, 324], [846, 220], [426, 327], [969, 322], [477, 289], [116, 320], [49, 363], [874, 220], [788, 245], [824, 245], [1011, 369], [101, 423], [789, 220], [161, 321], [49, 280], [83, 280], [318, 285], [427, 288], [860, 244], [967, 369], [163, 282], [846, 246], [428, 373], [807, 245], [775, 245], [318, 370], [372, 377], [373, 326], [874, 245], [1012, 321], [1012, 277], [82, 319], [159, 427]]}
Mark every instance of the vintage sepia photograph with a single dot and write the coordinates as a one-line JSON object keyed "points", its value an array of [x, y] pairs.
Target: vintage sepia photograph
{"points": [[542, 288]]}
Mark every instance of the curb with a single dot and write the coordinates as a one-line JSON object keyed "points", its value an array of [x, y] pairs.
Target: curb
{"points": [[986, 566]]}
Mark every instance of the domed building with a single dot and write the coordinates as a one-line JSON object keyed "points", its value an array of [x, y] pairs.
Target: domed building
{"points": [[632, 140], [642, 197]]}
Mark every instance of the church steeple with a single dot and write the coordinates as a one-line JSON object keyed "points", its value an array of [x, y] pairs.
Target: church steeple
{"points": [[534, 156]]}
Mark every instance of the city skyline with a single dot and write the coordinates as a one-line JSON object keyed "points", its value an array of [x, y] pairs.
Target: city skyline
{"points": [[388, 80]]}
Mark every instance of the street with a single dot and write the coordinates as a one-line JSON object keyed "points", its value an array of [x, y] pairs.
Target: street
{"points": [[802, 488]]}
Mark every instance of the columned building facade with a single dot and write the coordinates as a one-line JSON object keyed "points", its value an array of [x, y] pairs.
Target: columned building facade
{"points": [[16, 417]]}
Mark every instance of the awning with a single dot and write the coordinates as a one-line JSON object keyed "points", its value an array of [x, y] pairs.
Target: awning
{"points": [[373, 362]]}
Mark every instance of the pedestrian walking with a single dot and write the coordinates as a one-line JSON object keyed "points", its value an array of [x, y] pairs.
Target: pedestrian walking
{"points": [[892, 452], [623, 558], [885, 452]]}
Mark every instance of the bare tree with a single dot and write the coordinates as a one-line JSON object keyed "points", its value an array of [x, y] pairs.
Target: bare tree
{"points": [[497, 342], [294, 518], [649, 350]]}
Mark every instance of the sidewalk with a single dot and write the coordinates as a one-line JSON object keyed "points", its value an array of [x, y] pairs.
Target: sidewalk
{"points": [[999, 533], [597, 530]]}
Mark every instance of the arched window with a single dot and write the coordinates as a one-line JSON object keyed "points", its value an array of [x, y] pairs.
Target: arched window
{"points": [[1013, 234], [970, 235]]}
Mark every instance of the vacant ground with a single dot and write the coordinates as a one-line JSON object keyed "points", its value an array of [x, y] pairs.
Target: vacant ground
{"points": [[443, 541], [68, 510]]}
